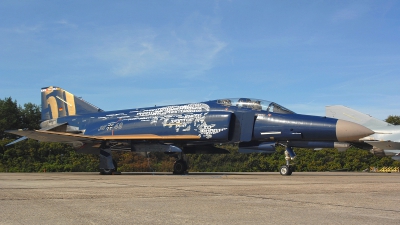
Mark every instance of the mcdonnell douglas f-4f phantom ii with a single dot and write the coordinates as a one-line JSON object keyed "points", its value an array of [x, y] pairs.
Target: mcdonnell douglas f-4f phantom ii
{"points": [[256, 125], [385, 141]]}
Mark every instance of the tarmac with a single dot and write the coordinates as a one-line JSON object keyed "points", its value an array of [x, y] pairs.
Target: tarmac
{"points": [[200, 198]]}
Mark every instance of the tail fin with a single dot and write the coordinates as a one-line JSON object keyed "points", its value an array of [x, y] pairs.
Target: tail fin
{"points": [[57, 103], [345, 113]]}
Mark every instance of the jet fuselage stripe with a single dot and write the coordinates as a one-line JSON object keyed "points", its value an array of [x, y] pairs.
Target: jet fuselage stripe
{"points": [[274, 132]]}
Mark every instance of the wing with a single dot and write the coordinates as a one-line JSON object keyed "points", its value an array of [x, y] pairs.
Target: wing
{"points": [[52, 136], [387, 145]]}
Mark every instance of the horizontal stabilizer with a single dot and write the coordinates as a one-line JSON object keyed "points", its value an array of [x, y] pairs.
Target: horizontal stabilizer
{"points": [[16, 141], [24, 137]]}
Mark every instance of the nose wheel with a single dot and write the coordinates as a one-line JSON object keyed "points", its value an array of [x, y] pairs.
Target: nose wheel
{"points": [[288, 169]]}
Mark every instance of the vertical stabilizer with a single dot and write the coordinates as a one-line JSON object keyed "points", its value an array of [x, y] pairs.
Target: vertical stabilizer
{"points": [[57, 102]]}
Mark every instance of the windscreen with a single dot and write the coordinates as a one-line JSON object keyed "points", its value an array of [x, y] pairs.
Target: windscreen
{"points": [[255, 104]]}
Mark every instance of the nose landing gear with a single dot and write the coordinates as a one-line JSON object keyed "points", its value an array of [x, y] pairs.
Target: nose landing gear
{"points": [[288, 169]]}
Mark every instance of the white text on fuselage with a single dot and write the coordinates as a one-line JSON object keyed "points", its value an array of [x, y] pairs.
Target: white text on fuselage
{"points": [[181, 118]]}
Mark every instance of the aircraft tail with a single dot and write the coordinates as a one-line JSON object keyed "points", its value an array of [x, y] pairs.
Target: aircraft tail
{"points": [[345, 113], [57, 103]]}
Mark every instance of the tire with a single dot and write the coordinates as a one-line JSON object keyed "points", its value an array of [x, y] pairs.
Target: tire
{"points": [[109, 171], [286, 170], [180, 167], [291, 169], [106, 171]]}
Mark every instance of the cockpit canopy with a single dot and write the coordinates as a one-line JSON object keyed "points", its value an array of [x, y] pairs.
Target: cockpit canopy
{"points": [[255, 104]]}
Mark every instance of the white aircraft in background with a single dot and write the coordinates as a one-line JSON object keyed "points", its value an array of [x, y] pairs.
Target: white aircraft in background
{"points": [[385, 140]]}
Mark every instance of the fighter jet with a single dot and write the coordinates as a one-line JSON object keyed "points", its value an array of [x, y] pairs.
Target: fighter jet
{"points": [[255, 125], [385, 140]]}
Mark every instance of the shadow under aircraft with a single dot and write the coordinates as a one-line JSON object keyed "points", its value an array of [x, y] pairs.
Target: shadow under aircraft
{"points": [[257, 126]]}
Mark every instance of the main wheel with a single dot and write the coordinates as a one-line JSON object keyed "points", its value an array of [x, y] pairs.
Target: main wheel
{"points": [[109, 171], [180, 167], [106, 171], [286, 170]]}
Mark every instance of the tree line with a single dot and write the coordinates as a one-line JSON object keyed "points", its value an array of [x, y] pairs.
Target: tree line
{"points": [[14, 116], [34, 156]]}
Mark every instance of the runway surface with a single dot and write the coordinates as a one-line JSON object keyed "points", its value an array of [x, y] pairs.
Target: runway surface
{"points": [[200, 198]]}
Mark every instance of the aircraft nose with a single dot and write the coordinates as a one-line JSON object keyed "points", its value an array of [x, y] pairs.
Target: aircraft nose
{"points": [[349, 131]]}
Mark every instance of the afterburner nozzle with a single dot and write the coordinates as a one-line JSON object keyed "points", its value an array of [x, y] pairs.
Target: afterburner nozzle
{"points": [[349, 131]]}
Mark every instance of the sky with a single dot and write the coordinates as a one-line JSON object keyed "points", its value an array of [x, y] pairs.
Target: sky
{"points": [[303, 55]]}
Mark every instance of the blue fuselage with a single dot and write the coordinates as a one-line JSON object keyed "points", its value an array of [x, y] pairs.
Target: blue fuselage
{"points": [[212, 121]]}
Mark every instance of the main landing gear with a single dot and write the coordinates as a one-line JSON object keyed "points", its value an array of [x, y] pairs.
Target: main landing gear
{"points": [[108, 166], [288, 169], [107, 171], [180, 165]]}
